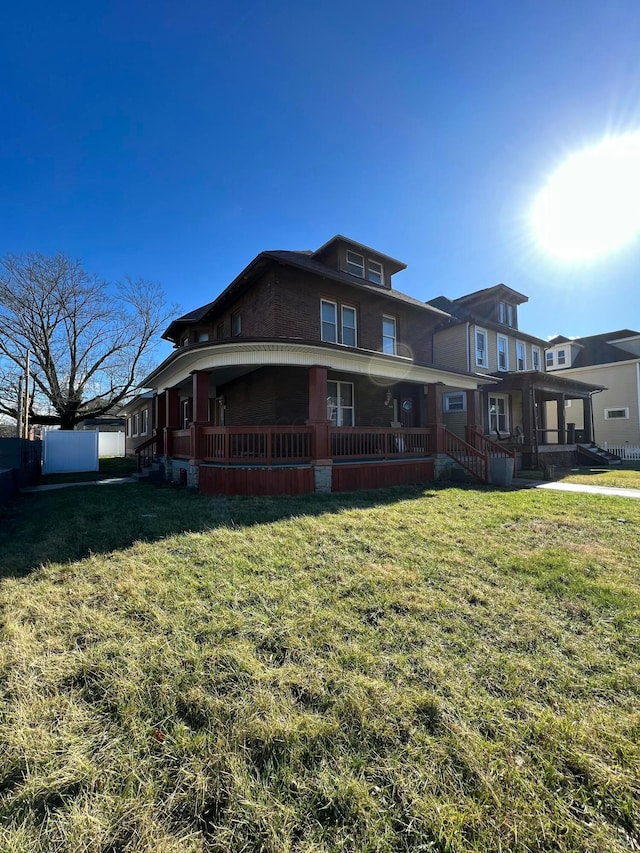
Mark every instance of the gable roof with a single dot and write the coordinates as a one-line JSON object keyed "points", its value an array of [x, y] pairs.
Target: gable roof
{"points": [[604, 348], [495, 290]]}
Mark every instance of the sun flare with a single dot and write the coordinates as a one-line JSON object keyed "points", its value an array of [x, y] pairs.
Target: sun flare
{"points": [[590, 205]]}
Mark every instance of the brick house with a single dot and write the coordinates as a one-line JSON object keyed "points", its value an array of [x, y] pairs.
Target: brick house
{"points": [[310, 371]]}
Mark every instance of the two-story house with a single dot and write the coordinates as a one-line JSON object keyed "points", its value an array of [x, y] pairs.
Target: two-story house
{"points": [[611, 359], [526, 409], [310, 370]]}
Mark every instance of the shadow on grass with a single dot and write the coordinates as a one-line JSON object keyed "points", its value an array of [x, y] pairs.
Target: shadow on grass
{"points": [[69, 524]]}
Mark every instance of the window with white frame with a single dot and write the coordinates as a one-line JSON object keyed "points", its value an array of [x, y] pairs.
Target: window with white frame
{"points": [[454, 401], [616, 414], [502, 312], [389, 336], [355, 263], [521, 356], [510, 315], [562, 357], [375, 272], [185, 414], [549, 358], [129, 426], [144, 421], [535, 358], [349, 323], [503, 353], [340, 408], [481, 348], [498, 414], [136, 423], [329, 319]]}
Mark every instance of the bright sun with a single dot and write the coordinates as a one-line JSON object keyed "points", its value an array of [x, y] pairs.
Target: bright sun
{"points": [[590, 206]]}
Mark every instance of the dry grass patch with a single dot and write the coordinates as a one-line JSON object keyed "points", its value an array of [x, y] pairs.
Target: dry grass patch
{"points": [[449, 670]]}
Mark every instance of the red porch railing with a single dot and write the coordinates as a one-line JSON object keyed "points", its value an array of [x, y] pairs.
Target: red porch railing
{"points": [[472, 459], [264, 444], [491, 448], [381, 442]]}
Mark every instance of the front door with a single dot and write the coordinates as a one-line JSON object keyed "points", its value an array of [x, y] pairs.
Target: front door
{"points": [[408, 413]]}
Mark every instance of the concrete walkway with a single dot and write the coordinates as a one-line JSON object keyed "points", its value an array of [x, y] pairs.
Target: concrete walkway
{"points": [[611, 491], [113, 481]]}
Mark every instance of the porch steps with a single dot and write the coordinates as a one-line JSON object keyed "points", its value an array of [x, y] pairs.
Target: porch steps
{"points": [[593, 453], [153, 473]]}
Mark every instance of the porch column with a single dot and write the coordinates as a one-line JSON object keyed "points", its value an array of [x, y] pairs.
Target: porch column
{"points": [[318, 414], [435, 413], [562, 428], [160, 419], [200, 380], [587, 415], [528, 415], [474, 411], [172, 408]]}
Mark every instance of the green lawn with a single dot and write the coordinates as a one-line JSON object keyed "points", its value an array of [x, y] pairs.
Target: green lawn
{"points": [[412, 670], [116, 466], [625, 478]]}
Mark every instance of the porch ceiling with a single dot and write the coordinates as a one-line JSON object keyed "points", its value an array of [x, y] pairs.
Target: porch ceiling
{"points": [[234, 358]]}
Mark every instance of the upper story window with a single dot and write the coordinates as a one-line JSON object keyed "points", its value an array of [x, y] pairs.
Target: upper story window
{"points": [[521, 356], [346, 333], [202, 336], [375, 272], [510, 315], [562, 357], [184, 341], [349, 331], [503, 353], [481, 348], [220, 331], [535, 358], [549, 358], [506, 314], [355, 263], [236, 324], [502, 312], [389, 335]]}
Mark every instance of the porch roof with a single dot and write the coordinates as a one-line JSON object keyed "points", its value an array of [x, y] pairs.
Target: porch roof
{"points": [[550, 383], [232, 359]]}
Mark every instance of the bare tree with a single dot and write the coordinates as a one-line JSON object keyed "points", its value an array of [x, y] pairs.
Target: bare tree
{"points": [[89, 340]]}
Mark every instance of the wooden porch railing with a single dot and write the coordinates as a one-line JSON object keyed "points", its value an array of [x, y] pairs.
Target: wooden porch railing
{"points": [[491, 448], [381, 442], [471, 458], [145, 452], [264, 444]]}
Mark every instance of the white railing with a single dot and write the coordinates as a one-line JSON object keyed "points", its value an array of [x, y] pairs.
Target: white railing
{"points": [[624, 451]]}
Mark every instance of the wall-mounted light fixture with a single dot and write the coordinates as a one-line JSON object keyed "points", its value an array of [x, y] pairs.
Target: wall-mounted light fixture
{"points": [[388, 398]]}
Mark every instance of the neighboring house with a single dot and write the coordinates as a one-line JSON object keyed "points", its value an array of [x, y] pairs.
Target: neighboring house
{"points": [[310, 371], [527, 407], [611, 360]]}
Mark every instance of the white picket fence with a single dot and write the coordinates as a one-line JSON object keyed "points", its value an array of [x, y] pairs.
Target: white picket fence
{"points": [[624, 451]]}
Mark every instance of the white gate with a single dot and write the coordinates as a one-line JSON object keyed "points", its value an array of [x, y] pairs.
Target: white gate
{"points": [[69, 450]]}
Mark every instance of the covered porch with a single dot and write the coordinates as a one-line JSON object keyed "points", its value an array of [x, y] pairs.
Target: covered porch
{"points": [[295, 428], [547, 416]]}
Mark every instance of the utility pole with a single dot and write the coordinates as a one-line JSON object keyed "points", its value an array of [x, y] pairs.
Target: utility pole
{"points": [[26, 398], [19, 430]]}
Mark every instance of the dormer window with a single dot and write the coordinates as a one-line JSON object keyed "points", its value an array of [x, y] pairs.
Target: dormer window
{"points": [[375, 272], [506, 314], [355, 263], [562, 357]]}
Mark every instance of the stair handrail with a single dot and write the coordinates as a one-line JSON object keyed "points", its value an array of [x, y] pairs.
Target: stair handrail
{"points": [[462, 452], [142, 447], [489, 445]]}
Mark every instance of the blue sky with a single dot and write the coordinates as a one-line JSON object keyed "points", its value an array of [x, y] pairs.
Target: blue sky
{"points": [[175, 141]]}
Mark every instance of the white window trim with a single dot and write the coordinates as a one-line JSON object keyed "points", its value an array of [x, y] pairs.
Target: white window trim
{"points": [[624, 409], [524, 355], [511, 316], [322, 321], [339, 409], [476, 330], [378, 264], [495, 428], [344, 308], [564, 356], [135, 429], [504, 338], [446, 399], [185, 414], [549, 358], [502, 313], [388, 337], [144, 421], [351, 263], [534, 350]]}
